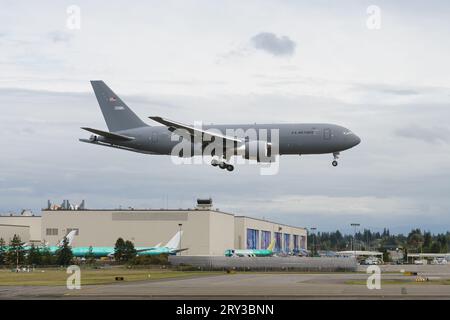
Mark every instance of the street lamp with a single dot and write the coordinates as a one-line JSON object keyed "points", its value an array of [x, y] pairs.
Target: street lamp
{"points": [[280, 243], [355, 225], [179, 226], [314, 240]]}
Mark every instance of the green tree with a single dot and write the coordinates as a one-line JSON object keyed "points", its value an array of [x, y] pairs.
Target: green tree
{"points": [[64, 254], [443, 241], [124, 250], [15, 255], [435, 247], [415, 239], [47, 258], [90, 257], [34, 256], [427, 240], [2, 251], [130, 251], [386, 256], [119, 249], [405, 255]]}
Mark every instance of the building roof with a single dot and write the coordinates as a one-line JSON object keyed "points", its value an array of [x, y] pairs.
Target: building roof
{"points": [[281, 224], [19, 216], [13, 225], [140, 210], [169, 210]]}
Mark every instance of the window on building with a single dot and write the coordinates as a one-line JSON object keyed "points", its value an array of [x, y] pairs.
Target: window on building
{"points": [[252, 238], [265, 239], [71, 229], [287, 242], [51, 232]]}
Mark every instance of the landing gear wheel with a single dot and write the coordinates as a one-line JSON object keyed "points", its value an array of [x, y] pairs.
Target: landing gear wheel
{"points": [[222, 165], [214, 163], [334, 163], [230, 167]]}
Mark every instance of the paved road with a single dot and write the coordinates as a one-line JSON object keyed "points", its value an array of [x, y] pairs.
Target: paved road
{"points": [[252, 285]]}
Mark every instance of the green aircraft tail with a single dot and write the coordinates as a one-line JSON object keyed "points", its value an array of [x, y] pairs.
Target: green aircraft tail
{"points": [[271, 245]]}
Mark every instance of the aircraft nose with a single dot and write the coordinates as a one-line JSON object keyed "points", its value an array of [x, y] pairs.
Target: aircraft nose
{"points": [[357, 140], [352, 140]]}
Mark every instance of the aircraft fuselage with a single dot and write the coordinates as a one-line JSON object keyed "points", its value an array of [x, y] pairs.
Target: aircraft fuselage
{"points": [[295, 138]]}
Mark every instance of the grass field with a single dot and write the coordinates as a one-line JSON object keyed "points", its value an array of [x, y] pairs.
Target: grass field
{"points": [[58, 277]]}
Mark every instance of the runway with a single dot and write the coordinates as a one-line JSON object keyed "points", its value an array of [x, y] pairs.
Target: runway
{"points": [[252, 286]]}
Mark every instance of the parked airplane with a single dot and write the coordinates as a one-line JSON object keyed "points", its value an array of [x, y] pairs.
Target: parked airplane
{"points": [[251, 252], [51, 249], [172, 248], [128, 132]]}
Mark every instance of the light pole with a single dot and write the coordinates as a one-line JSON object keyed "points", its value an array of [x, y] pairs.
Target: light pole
{"points": [[313, 229], [281, 239], [179, 226], [355, 225]]}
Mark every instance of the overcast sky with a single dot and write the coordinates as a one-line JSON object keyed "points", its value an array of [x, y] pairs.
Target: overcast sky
{"points": [[233, 62]]}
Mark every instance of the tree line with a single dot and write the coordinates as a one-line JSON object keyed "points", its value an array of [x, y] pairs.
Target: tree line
{"points": [[15, 254], [416, 241]]}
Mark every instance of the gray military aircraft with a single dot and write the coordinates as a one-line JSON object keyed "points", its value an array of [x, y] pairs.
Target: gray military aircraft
{"points": [[128, 132]]}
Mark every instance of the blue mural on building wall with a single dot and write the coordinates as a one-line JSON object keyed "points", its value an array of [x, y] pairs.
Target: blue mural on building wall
{"points": [[278, 244], [265, 239], [287, 242], [296, 243], [252, 239]]}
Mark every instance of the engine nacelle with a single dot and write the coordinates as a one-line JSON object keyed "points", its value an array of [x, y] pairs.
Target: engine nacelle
{"points": [[258, 150]]}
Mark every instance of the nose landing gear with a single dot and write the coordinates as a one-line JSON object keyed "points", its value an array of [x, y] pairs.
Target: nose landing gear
{"points": [[336, 156]]}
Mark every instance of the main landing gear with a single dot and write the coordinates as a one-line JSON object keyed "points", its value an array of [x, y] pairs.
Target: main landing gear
{"points": [[336, 156], [222, 164]]}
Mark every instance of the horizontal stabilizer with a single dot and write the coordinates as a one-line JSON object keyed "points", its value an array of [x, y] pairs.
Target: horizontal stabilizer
{"points": [[109, 135], [145, 249]]}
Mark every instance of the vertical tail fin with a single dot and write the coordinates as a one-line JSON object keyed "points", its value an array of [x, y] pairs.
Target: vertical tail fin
{"points": [[116, 113], [174, 243], [271, 245], [69, 238]]}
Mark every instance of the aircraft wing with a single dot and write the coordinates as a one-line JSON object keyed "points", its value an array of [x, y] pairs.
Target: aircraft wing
{"points": [[109, 135], [172, 126], [179, 250]]}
